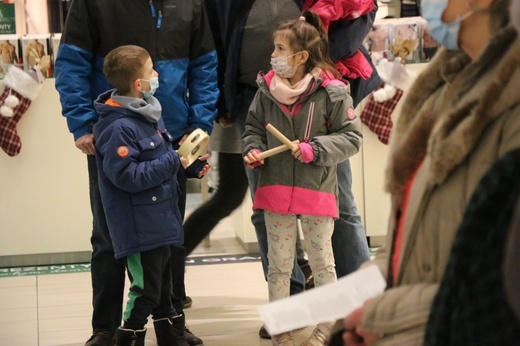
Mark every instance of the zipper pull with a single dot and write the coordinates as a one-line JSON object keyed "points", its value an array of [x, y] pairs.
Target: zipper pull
{"points": [[152, 7], [308, 126], [299, 226], [159, 20]]}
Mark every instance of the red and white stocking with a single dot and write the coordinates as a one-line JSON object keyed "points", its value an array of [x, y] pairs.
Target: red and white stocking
{"points": [[377, 112], [20, 90]]}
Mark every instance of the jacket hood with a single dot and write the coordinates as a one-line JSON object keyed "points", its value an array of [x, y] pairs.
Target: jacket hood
{"points": [[108, 113]]}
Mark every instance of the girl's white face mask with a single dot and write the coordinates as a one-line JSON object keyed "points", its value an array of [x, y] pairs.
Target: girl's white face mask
{"points": [[282, 68]]}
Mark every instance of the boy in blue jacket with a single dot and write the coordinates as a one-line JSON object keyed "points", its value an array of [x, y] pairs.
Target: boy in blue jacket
{"points": [[139, 190]]}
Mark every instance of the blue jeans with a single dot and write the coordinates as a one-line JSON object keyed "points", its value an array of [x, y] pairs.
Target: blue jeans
{"points": [[349, 241]]}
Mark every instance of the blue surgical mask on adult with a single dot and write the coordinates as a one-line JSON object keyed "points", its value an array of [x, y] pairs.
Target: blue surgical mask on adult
{"points": [[154, 85], [447, 34]]}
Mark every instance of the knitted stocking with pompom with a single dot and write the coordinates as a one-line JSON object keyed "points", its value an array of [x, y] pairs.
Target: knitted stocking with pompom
{"points": [[20, 90], [377, 114]]}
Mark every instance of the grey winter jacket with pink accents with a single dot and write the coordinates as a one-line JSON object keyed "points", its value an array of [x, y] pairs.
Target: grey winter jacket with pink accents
{"points": [[324, 117]]}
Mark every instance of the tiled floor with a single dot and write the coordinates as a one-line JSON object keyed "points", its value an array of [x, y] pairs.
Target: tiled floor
{"points": [[55, 309]]}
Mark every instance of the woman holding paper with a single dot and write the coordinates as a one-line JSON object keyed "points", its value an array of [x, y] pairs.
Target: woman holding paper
{"points": [[300, 99], [461, 116]]}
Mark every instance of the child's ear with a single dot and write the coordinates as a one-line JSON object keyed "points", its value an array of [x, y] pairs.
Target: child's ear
{"points": [[136, 85], [304, 56]]}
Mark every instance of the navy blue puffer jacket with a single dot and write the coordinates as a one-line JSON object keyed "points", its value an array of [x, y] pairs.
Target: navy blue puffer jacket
{"points": [[137, 172]]}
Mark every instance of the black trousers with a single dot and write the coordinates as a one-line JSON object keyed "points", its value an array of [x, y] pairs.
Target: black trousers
{"points": [[107, 273], [178, 254], [230, 193], [150, 290]]}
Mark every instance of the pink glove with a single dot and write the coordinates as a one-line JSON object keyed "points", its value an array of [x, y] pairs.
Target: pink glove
{"points": [[307, 152], [257, 163]]}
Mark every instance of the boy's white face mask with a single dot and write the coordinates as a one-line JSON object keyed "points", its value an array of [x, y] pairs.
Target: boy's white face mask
{"points": [[154, 85]]}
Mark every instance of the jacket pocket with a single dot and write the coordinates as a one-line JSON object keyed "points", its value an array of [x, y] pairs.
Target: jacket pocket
{"points": [[153, 196], [155, 216], [149, 146], [310, 176], [150, 143]]}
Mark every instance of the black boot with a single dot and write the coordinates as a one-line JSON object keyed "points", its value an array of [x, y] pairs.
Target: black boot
{"points": [[170, 331], [191, 338], [130, 337], [101, 339]]}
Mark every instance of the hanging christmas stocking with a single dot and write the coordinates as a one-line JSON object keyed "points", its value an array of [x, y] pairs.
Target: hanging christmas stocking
{"points": [[20, 90], [377, 112]]}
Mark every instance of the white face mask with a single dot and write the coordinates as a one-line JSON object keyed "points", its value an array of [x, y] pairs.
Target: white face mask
{"points": [[154, 85], [282, 68]]}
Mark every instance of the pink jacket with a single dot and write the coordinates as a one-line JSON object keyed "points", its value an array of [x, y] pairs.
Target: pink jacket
{"points": [[330, 11]]}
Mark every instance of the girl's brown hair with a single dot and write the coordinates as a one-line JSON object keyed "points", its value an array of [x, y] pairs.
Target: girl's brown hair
{"points": [[309, 34]]}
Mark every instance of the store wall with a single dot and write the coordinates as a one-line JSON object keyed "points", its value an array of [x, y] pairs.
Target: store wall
{"points": [[44, 208]]}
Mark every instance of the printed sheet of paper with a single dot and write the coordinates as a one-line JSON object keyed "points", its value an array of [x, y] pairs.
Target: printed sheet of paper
{"points": [[323, 304]]}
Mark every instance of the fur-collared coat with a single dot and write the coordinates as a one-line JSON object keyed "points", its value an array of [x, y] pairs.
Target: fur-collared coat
{"points": [[458, 119]]}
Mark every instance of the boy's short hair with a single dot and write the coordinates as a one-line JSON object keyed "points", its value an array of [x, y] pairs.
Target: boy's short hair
{"points": [[123, 65]]}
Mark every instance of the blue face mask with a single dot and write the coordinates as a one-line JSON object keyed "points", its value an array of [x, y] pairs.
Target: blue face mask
{"points": [[447, 34], [154, 85]]}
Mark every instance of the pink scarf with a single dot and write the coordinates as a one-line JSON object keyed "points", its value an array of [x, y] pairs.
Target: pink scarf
{"points": [[286, 93]]}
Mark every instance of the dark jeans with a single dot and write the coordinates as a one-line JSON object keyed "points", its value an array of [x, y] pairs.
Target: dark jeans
{"points": [[229, 196], [178, 254], [107, 273]]}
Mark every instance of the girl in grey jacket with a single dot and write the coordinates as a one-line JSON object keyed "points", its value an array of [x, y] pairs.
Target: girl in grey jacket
{"points": [[303, 100]]}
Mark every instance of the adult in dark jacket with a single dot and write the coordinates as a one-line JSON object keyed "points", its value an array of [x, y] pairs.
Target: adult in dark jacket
{"points": [[243, 30], [179, 41], [471, 306]]}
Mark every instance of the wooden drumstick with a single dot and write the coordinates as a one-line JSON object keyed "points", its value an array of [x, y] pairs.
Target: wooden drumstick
{"points": [[280, 136], [276, 150]]}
